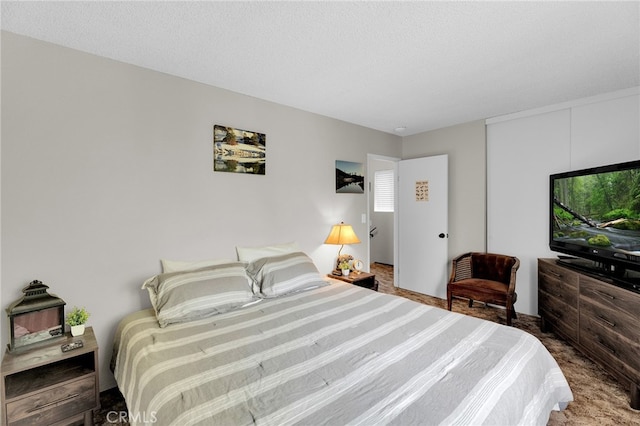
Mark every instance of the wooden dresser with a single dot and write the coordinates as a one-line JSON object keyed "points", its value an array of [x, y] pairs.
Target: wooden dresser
{"points": [[44, 385], [596, 317]]}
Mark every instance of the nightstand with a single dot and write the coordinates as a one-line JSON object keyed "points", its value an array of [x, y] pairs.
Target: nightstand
{"points": [[363, 279], [47, 386]]}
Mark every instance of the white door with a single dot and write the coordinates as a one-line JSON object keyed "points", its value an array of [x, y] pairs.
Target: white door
{"points": [[423, 226]]}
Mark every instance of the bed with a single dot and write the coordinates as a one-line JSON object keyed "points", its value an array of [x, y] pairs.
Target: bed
{"points": [[298, 348]]}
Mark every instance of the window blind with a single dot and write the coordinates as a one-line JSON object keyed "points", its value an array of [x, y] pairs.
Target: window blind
{"points": [[383, 191]]}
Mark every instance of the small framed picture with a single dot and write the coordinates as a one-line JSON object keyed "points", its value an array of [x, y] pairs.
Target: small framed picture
{"points": [[239, 151], [422, 190], [349, 177]]}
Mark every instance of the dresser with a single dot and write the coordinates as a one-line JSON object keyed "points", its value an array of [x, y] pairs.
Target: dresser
{"points": [[44, 385], [597, 317]]}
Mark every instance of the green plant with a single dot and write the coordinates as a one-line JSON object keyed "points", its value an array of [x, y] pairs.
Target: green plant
{"points": [[77, 316], [344, 265]]}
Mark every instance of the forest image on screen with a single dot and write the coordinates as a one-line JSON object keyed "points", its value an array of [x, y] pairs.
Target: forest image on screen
{"points": [[599, 211]]}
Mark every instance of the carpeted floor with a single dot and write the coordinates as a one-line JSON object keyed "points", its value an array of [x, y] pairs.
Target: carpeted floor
{"points": [[598, 399]]}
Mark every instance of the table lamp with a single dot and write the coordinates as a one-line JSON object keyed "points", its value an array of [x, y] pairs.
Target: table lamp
{"points": [[341, 234]]}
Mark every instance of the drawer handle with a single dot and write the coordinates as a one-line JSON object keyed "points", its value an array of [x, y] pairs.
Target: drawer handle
{"points": [[603, 294], [555, 274], [606, 321], [607, 347], [48, 404]]}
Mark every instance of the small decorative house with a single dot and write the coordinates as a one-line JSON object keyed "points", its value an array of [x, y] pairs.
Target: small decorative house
{"points": [[36, 317]]}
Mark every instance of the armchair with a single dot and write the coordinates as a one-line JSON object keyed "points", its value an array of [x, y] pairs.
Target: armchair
{"points": [[486, 277]]}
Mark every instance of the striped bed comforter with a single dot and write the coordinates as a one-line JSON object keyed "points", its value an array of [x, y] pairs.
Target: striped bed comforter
{"points": [[335, 355]]}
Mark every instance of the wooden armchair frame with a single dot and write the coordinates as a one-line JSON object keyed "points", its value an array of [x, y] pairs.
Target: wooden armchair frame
{"points": [[486, 277]]}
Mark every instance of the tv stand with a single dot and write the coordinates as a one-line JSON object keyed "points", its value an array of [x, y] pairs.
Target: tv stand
{"points": [[595, 316]]}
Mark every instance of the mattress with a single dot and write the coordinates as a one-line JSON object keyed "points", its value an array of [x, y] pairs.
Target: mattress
{"points": [[334, 355]]}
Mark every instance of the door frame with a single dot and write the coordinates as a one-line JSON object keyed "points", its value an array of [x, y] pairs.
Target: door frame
{"points": [[394, 160]]}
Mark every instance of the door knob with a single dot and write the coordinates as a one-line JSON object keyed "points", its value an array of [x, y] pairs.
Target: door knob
{"points": [[442, 235]]}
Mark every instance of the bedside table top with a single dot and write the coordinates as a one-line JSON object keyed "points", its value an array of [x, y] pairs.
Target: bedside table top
{"points": [[353, 277], [42, 355]]}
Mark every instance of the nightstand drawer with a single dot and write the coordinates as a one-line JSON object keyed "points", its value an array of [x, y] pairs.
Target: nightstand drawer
{"points": [[55, 403]]}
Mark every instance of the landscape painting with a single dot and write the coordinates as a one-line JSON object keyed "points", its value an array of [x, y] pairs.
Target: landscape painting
{"points": [[238, 151], [349, 177]]}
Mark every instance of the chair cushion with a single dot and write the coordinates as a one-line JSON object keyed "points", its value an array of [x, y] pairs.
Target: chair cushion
{"points": [[488, 291], [487, 285]]}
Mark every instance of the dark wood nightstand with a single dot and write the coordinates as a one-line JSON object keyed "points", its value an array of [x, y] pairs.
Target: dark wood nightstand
{"points": [[363, 279], [47, 386]]}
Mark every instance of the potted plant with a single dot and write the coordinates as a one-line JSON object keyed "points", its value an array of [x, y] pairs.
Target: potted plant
{"points": [[344, 267], [76, 319]]}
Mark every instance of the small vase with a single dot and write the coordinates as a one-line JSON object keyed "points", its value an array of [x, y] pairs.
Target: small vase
{"points": [[345, 272], [77, 330]]}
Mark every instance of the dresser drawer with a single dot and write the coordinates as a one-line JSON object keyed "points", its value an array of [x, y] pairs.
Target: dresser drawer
{"points": [[566, 292], [615, 320], [613, 348], [563, 318], [612, 297], [55, 403], [555, 274]]}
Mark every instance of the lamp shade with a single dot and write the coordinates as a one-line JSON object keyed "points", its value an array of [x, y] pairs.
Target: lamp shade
{"points": [[342, 234]]}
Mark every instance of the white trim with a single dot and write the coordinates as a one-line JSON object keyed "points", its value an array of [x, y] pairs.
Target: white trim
{"points": [[394, 160], [382, 157], [565, 105]]}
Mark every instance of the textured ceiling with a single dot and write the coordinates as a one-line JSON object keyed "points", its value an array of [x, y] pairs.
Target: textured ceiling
{"points": [[382, 65]]}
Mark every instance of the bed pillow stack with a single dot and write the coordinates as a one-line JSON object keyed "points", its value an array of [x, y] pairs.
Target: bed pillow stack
{"points": [[192, 290], [190, 295]]}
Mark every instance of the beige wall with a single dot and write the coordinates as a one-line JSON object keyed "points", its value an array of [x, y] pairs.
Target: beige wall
{"points": [[465, 144], [107, 168]]}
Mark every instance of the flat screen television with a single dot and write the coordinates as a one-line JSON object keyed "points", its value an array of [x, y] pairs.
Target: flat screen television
{"points": [[595, 218]]}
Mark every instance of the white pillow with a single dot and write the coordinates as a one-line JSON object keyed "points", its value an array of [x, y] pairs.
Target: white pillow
{"points": [[183, 265], [249, 254]]}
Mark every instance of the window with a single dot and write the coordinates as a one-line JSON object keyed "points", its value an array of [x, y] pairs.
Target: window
{"points": [[383, 191]]}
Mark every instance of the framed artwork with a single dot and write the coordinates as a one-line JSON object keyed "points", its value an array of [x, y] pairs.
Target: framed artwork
{"points": [[238, 151], [349, 177], [422, 190]]}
